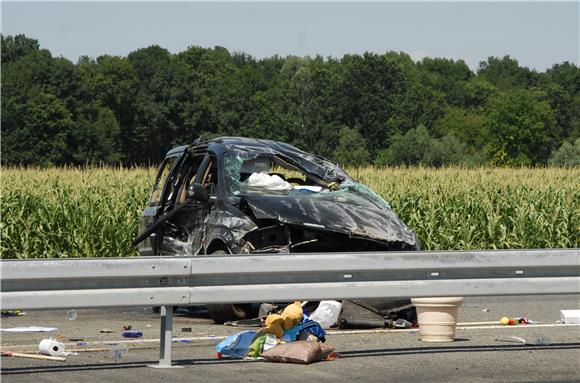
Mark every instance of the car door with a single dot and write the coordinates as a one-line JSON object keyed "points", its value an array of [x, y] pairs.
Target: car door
{"points": [[182, 230], [151, 212]]}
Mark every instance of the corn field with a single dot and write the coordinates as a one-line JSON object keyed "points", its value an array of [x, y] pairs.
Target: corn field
{"points": [[70, 212]]}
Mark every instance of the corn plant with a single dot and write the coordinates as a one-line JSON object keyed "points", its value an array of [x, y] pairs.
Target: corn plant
{"points": [[94, 212]]}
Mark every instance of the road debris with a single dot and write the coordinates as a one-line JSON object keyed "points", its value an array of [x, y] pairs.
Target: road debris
{"points": [[510, 338], [12, 313], [302, 352], [132, 334], [33, 356], [400, 323], [540, 341], [327, 313], [53, 347], [570, 316], [106, 331], [71, 315], [254, 322], [281, 330], [505, 321], [117, 352]]}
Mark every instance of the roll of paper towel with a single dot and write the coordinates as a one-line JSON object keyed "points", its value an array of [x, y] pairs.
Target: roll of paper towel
{"points": [[51, 347]]}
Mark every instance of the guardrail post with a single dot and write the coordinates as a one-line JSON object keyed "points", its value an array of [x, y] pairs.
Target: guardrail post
{"points": [[165, 341]]}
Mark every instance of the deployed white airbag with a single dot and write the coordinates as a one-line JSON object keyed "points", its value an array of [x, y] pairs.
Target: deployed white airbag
{"points": [[268, 182]]}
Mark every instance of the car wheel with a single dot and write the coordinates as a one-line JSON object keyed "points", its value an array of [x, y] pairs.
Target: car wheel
{"points": [[221, 313]]}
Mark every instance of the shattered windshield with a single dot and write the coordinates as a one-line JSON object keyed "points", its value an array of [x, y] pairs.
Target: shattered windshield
{"points": [[251, 173]]}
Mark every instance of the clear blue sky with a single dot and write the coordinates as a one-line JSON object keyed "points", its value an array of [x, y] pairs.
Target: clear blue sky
{"points": [[537, 34]]}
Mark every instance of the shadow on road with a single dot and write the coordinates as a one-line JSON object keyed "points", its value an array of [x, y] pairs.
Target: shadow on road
{"points": [[343, 354], [447, 349]]}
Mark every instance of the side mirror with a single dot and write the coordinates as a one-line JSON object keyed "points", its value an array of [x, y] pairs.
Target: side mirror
{"points": [[198, 193]]}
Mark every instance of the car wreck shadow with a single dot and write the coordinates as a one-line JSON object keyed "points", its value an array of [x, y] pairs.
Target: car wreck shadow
{"points": [[452, 349], [343, 355]]}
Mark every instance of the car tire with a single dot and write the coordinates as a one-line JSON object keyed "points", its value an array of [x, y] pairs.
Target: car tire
{"points": [[221, 313]]}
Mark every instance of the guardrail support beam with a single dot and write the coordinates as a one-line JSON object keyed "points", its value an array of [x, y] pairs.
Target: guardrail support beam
{"points": [[166, 339]]}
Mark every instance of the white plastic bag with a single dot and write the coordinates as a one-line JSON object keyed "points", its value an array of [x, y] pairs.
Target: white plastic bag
{"points": [[327, 313], [268, 182]]}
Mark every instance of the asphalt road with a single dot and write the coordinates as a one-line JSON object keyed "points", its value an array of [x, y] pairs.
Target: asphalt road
{"points": [[386, 355]]}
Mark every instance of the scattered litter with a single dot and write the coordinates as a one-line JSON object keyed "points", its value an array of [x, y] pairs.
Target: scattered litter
{"points": [[186, 329], [307, 336], [117, 352], [106, 331], [255, 322], [542, 341], [33, 356], [402, 323], [76, 339], [52, 347], [261, 344], [360, 315], [61, 338], [132, 334], [505, 321], [327, 313], [82, 343], [266, 309], [71, 315], [127, 327], [184, 341], [12, 313], [236, 345], [147, 325], [29, 329], [302, 352], [486, 310], [291, 336], [513, 339], [570, 316]]}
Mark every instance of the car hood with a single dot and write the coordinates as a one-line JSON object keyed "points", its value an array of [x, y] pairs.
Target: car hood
{"points": [[364, 221]]}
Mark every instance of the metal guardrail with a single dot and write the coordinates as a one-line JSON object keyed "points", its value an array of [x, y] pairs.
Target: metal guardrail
{"points": [[171, 281]]}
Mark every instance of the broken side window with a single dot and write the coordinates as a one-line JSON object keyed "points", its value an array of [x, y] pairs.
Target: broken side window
{"points": [[161, 179], [365, 192]]}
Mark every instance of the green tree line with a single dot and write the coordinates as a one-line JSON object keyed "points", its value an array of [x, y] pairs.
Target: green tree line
{"points": [[372, 108]]}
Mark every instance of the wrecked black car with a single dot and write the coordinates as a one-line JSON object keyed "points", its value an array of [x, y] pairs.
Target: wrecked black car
{"points": [[235, 195]]}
